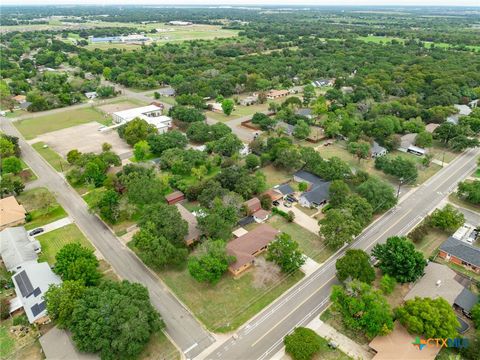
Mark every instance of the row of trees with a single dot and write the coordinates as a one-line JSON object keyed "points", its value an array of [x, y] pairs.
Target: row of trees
{"points": [[127, 321], [10, 166]]}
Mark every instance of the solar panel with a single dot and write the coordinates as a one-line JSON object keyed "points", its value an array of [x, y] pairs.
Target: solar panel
{"points": [[38, 308], [23, 283], [35, 310], [37, 292]]}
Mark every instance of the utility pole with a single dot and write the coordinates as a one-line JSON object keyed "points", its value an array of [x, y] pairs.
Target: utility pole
{"points": [[399, 185]]}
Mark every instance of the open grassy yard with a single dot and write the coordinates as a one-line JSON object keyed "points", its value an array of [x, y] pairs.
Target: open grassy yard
{"points": [[339, 150], [19, 345], [32, 127], [327, 353], [53, 158], [441, 153], [275, 176], [228, 304], [431, 242], [310, 244], [159, 348], [453, 198], [34, 203], [238, 112], [54, 240]]}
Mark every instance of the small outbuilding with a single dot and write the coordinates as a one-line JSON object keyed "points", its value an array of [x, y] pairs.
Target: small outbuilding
{"points": [[175, 197]]}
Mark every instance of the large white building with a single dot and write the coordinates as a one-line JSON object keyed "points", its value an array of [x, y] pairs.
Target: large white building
{"points": [[152, 114]]}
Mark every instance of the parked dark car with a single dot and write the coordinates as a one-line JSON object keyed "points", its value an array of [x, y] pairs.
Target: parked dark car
{"points": [[291, 198], [36, 231], [275, 203]]}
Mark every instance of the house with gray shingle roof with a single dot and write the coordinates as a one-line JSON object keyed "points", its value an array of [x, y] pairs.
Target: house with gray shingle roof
{"points": [[318, 192], [17, 249], [461, 253]]}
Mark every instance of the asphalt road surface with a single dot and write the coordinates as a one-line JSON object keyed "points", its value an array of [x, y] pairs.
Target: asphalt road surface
{"points": [[262, 337], [181, 326]]}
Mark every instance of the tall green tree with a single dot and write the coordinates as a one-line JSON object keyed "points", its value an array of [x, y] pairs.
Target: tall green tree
{"points": [[338, 227], [115, 319], [378, 193], [284, 251], [448, 218], [61, 301], [75, 262], [363, 308], [228, 106], [156, 250], [432, 318], [399, 259], [470, 191], [211, 263], [355, 265], [136, 130]]}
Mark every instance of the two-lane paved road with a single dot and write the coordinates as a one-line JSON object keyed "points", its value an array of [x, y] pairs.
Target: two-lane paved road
{"points": [[263, 336], [182, 327]]}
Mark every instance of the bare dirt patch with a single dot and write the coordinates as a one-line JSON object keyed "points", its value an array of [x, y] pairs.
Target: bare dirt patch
{"points": [[85, 138], [110, 108]]}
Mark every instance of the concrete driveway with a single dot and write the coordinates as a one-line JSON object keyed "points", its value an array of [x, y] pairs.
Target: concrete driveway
{"points": [[302, 219]]}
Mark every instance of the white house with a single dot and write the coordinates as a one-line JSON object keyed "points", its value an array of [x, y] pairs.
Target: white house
{"points": [[91, 95], [245, 150], [463, 110], [31, 283], [152, 114], [376, 150]]}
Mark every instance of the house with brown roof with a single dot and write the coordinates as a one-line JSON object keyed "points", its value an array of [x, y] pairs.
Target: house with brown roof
{"points": [[276, 94], [11, 213], [20, 98], [175, 197], [261, 216], [252, 205], [194, 232], [246, 247], [273, 194]]}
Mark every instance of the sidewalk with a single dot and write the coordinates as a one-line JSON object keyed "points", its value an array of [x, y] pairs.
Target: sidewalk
{"points": [[345, 344], [56, 225]]}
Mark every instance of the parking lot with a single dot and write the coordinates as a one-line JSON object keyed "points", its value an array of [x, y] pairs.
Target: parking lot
{"points": [[84, 138]]}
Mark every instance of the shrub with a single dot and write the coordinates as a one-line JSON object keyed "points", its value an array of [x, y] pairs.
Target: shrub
{"points": [[302, 344], [387, 284]]}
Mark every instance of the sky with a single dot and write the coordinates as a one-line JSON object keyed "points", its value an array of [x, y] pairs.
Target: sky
{"points": [[252, 2]]}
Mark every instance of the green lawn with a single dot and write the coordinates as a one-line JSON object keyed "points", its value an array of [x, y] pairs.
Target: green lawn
{"points": [[238, 112], [453, 198], [310, 244], [431, 242], [53, 158], [387, 39], [327, 353], [34, 202], [228, 304], [54, 240], [7, 343], [339, 150], [92, 196], [441, 153], [30, 128], [275, 176], [159, 348]]}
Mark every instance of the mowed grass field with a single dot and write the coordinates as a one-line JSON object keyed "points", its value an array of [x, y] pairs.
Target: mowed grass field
{"points": [[54, 240], [228, 304], [310, 244], [34, 202], [32, 127], [53, 158]]}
